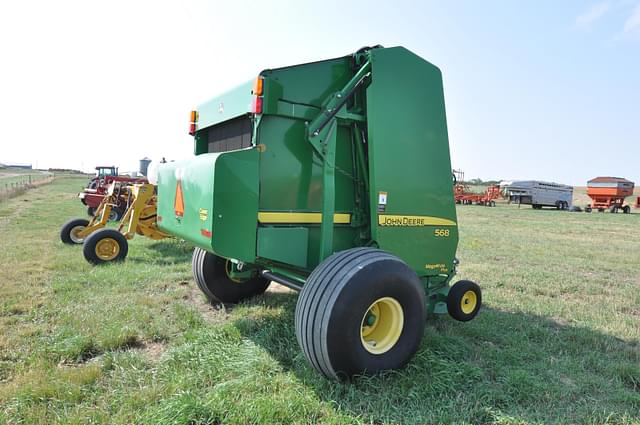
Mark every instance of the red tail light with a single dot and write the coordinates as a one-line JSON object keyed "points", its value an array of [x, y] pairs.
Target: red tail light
{"points": [[256, 105], [193, 123]]}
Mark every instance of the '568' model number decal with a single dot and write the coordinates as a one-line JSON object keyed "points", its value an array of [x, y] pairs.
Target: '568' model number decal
{"points": [[441, 233]]}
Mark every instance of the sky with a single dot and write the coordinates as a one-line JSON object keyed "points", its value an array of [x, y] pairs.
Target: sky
{"points": [[541, 90]]}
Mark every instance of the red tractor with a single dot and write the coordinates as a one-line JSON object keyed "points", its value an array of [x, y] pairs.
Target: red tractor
{"points": [[96, 190]]}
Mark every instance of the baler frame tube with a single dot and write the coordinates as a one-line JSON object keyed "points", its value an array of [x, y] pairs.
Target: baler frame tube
{"points": [[322, 135], [281, 280]]}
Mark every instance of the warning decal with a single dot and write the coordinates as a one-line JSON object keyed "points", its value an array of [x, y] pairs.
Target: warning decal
{"points": [[178, 204]]}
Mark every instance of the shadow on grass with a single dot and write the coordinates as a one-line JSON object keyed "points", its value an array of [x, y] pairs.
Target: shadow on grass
{"points": [[167, 252], [503, 367]]}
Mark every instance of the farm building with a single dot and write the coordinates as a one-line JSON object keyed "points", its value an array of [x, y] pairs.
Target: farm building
{"points": [[16, 165]]}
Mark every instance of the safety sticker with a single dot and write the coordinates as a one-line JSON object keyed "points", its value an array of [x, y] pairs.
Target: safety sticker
{"points": [[382, 201]]}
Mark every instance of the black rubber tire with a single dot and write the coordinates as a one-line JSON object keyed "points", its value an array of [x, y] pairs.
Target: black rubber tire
{"points": [[194, 270], [65, 230], [209, 272], [626, 209], [91, 211], [89, 246], [613, 209], [492, 203], [334, 300], [587, 209], [116, 214], [454, 298]]}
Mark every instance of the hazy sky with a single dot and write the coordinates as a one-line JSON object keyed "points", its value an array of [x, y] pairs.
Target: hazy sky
{"points": [[545, 89]]}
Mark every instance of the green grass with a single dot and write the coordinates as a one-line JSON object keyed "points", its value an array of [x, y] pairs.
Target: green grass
{"points": [[15, 181], [556, 342]]}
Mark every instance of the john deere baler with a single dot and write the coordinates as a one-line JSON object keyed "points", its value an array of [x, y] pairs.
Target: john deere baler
{"points": [[332, 178]]}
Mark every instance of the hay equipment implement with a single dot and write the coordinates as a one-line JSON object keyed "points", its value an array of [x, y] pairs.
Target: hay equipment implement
{"points": [[96, 190], [335, 182], [103, 245], [464, 195]]}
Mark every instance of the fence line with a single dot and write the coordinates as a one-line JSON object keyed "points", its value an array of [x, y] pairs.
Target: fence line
{"points": [[21, 183]]}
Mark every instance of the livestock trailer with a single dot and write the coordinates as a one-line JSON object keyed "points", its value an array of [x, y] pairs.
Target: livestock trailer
{"points": [[538, 194], [332, 178], [609, 193]]}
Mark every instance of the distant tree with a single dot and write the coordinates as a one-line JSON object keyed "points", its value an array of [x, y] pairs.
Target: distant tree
{"points": [[478, 181]]}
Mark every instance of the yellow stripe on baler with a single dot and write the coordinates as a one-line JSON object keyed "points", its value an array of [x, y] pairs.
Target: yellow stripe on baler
{"points": [[300, 218]]}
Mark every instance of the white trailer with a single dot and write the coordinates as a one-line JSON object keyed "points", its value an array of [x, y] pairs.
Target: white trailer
{"points": [[538, 194]]}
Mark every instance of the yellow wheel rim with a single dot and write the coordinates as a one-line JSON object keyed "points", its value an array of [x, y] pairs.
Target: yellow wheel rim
{"points": [[107, 249], [381, 325], [227, 268], [73, 234], [468, 302]]}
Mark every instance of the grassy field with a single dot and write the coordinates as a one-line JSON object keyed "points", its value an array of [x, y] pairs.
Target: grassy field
{"points": [[8, 178], [557, 341], [15, 181]]}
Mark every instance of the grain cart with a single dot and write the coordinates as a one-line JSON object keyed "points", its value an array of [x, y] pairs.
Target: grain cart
{"points": [[103, 245], [609, 193], [332, 178]]}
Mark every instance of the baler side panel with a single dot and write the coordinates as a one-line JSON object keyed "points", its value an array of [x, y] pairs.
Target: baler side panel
{"points": [[232, 104], [235, 202], [290, 172], [310, 83], [196, 177], [409, 162], [220, 199]]}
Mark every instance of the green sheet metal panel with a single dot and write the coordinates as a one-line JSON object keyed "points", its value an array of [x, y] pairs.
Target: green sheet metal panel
{"points": [[229, 105], [411, 187], [290, 173], [235, 205], [287, 245], [307, 84], [220, 197], [196, 180]]}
